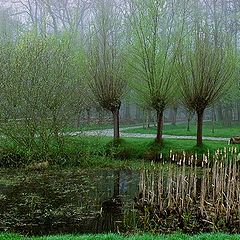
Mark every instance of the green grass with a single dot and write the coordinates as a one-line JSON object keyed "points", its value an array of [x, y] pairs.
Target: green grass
{"points": [[181, 130], [140, 145], [210, 236], [100, 152]]}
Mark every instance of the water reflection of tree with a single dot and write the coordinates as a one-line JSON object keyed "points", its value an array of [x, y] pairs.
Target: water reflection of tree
{"points": [[111, 215]]}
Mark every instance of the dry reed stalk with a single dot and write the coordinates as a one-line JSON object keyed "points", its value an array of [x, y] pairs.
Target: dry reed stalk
{"points": [[202, 195], [160, 192], [228, 191], [169, 187], [222, 179], [152, 183], [214, 177], [142, 186], [238, 201], [177, 195], [177, 192], [195, 181], [184, 183]]}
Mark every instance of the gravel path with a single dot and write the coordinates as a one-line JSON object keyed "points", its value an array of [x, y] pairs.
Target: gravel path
{"points": [[109, 133]]}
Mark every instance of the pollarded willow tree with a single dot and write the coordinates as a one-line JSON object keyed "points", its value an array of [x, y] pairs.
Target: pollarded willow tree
{"points": [[105, 57], [205, 71], [157, 32]]}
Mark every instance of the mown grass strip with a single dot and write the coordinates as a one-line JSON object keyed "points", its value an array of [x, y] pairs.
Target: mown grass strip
{"points": [[181, 130], [209, 236]]}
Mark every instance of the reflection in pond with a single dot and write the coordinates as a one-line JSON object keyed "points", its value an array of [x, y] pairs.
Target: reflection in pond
{"points": [[55, 202], [166, 199], [111, 215]]}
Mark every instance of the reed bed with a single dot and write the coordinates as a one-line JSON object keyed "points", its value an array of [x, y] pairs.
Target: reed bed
{"points": [[193, 193]]}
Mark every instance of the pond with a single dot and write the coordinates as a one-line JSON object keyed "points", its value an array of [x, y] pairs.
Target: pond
{"points": [[165, 199], [64, 202]]}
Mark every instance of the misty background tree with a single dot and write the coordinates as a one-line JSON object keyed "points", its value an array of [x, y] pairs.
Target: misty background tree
{"points": [[107, 78]]}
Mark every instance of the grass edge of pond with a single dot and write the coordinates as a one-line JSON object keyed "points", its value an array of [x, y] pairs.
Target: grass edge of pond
{"points": [[100, 152], [176, 236]]}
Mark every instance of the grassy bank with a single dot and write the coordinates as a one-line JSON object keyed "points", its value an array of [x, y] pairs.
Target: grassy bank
{"points": [[135, 148], [101, 152], [181, 130], [210, 236]]}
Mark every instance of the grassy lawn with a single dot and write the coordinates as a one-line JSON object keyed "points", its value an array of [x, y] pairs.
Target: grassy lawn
{"points": [[99, 152], [138, 146], [210, 236], [181, 130]]}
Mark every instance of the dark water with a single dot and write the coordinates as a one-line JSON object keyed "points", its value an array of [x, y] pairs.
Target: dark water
{"points": [[168, 199], [40, 203]]}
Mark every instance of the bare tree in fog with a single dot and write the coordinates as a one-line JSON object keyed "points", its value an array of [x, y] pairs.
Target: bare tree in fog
{"points": [[53, 15], [107, 77]]}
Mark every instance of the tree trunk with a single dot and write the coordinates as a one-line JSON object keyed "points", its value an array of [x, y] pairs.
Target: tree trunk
{"points": [[116, 124], [230, 116], [100, 116], [138, 114], [88, 116], [148, 118], [220, 112], [213, 119], [159, 126], [189, 117], [227, 119], [127, 112], [238, 112], [144, 121], [199, 127], [79, 120], [173, 115], [188, 123]]}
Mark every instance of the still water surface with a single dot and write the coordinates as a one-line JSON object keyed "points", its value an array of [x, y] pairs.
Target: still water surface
{"points": [[65, 201], [170, 198]]}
